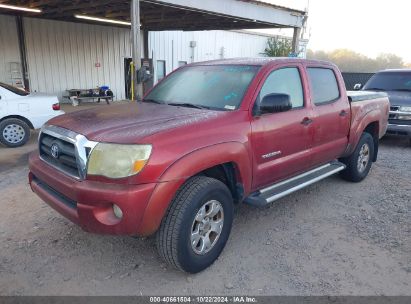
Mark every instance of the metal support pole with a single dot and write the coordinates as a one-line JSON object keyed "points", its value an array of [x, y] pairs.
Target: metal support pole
{"points": [[145, 44], [136, 40], [23, 53], [296, 40]]}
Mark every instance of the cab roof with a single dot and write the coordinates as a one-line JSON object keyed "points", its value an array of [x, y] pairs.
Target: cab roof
{"points": [[259, 61]]}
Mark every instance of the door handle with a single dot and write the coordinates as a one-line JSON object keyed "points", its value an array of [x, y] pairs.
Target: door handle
{"points": [[306, 121], [343, 113]]}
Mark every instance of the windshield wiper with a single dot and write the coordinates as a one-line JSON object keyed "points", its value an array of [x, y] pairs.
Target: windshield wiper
{"points": [[188, 105], [153, 101]]}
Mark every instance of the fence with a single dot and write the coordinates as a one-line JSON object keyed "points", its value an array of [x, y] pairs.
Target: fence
{"points": [[351, 79]]}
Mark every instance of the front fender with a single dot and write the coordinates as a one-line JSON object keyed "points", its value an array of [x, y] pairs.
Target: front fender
{"points": [[187, 166], [211, 156]]}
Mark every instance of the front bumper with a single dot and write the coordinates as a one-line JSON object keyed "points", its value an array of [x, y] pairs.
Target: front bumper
{"points": [[90, 203], [399, 129]]}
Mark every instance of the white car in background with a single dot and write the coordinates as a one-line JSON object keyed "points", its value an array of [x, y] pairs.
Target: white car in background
{"points": [[21, 111]]}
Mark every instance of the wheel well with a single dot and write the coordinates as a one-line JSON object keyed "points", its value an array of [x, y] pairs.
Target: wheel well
{"points": [[373, 129], [28, 122], [227, 174]]}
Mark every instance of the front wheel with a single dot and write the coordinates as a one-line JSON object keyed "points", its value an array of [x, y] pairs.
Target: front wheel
{"points": [[360, 161], [14, 132], [197, 224]]}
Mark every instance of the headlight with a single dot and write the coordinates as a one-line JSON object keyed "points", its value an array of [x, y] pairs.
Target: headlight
{"points": [[116, 160], [405, 109]]}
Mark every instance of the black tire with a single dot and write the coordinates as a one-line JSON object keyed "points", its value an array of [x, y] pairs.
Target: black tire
{"points": [[174, 235], [354, 172], [14, 132]]}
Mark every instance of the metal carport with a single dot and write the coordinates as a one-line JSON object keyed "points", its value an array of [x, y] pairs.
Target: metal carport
{"points": [[154, 15]]}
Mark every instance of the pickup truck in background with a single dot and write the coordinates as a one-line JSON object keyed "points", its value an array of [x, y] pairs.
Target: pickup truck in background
{"points": [[209, 136], [397, 84], [21, 111]]}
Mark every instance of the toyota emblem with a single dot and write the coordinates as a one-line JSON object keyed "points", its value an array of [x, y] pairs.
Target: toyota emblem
{"points": [[55, 151]]}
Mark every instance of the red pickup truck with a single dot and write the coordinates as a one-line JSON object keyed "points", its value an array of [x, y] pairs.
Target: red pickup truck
{"points": [[209, 136]]}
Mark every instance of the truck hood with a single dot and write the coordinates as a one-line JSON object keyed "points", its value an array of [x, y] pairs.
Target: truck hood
{"points": [[399, 98], [130, 123]]}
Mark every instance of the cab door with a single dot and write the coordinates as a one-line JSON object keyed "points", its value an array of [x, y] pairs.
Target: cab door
{"points": [[281, 141], [331, 114]]}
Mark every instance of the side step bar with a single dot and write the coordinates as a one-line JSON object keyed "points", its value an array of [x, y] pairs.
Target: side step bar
{"points": [[272, 193]]}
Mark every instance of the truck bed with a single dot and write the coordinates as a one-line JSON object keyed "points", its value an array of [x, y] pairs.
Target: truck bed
{"points": [[354, 96], [366, 108]]}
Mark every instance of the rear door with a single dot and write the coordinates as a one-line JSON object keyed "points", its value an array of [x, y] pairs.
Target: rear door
{"points": [[280, 141], [331, 113]]}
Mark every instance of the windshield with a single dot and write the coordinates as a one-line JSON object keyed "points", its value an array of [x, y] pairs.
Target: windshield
{"points": [[215, 87], [390, 81], [14, 89]]}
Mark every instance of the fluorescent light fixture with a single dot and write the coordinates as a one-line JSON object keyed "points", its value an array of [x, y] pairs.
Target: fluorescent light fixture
{"points": [[102, 19], [20, 8]]}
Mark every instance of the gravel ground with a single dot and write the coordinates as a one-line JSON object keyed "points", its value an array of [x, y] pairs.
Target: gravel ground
{"points": [[333, 238]]}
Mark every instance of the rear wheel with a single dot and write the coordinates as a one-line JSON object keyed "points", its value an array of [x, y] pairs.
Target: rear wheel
{"points": [[14, 132], [196, 227], [360, 161]]}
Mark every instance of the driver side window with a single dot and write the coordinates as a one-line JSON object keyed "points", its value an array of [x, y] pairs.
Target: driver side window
{"points": [[285, 81]]}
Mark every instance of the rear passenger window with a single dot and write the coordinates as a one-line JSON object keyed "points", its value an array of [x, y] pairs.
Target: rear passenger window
{"points": [[285, 81], [324, 86]]}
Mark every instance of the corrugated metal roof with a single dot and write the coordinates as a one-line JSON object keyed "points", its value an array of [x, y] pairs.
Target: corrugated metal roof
{"points": [[274, 6], [159, 15]]}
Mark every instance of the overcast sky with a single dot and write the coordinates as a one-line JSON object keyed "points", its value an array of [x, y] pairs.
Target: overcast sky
{"points": [[369, 27]]}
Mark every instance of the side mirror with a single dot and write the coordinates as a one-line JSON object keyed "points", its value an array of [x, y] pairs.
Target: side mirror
{"points": [[357, 87], [274, 103]]}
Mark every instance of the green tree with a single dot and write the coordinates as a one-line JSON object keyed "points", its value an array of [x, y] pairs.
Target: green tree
{"points": [[277, 47], [350, 61], [389, 61], [319, 55]]}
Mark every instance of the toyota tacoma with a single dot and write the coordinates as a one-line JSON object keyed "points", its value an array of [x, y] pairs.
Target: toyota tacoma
{"points": [[209, 136]]}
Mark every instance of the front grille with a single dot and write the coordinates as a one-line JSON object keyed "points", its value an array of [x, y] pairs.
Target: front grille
{"points": [[396, 116], [66, 156], [65, 150], [399, 122], [393, 109]]}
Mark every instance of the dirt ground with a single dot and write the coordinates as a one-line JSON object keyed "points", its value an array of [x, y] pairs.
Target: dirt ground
{"points": [[333, 238]]}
